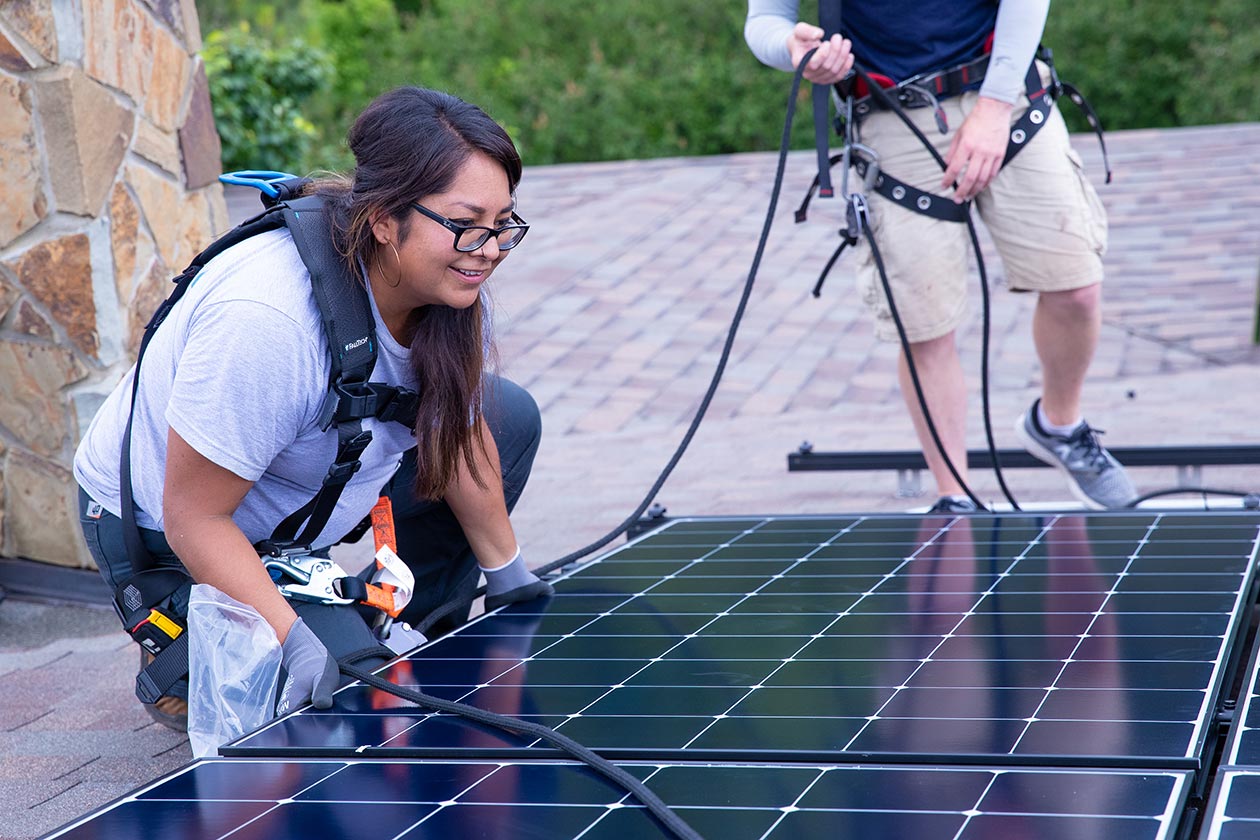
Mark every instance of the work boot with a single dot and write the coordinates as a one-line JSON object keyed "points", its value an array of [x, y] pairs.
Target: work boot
{"points": [[1094, 475], [170, 711]]}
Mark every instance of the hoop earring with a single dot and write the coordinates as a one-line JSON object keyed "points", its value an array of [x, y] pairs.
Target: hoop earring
{"points": [[397, 262]]}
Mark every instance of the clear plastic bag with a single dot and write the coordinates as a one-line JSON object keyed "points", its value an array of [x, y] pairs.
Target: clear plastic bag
{"points": [[233, 669]]}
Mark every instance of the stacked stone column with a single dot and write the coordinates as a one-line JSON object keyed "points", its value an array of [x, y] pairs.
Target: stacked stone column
{"points": [[108, 167]]}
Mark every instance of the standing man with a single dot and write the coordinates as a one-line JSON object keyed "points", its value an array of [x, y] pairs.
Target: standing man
{"points": [[1046, 220]]}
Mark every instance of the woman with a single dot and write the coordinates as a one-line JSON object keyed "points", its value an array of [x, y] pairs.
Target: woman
{"points": [[227, 439]]}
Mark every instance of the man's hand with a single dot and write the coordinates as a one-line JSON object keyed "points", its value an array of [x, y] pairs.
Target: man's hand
{"points": [[975, 155], [831, 63]]}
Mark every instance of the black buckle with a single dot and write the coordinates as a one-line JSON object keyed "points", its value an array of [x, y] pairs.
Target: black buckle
{"points": [[348, 401], [1055, 88], [400, 405], [280, 548], [341, 473]]}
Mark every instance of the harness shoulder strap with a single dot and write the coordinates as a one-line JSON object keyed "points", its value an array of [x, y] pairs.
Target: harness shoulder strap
{"points": [[347, 316], [269, 219], [340, 294]]}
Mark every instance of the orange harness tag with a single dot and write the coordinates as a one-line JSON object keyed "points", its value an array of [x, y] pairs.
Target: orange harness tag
{"points": [[393, 582], [383, 524]]}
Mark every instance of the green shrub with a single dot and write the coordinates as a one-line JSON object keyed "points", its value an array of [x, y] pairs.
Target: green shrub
{"points": [[602, 81], [1158, 63], [649, 78], [257, 91], [363, 42]]}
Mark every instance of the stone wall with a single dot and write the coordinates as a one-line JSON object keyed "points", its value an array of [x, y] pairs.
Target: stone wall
{"points": [[108, 166]]}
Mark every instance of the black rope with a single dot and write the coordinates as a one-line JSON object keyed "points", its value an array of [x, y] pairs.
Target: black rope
{"points": [[1205, 491], [634, 517], [891, 103], [670, 820]]}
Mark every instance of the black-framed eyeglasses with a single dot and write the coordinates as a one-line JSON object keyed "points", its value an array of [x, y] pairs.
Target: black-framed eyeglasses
{"points": [[471, 237]]}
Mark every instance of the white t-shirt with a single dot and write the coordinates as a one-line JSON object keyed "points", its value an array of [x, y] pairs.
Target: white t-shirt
{"points": [[240, 370]]}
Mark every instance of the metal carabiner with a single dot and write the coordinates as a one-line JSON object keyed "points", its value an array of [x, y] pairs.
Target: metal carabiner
{"points": [[314, 578]]}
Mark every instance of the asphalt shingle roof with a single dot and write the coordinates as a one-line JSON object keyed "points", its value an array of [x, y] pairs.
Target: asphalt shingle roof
{"points": [[613, 315]]}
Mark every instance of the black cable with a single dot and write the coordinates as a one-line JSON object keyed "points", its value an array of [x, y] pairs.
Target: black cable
{"points": [[670, 820], [1206, 491], [912, 369], [634, 517], [891, 104]]}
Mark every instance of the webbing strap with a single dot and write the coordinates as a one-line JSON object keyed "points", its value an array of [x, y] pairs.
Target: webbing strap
{"points": [[1091, 117], [137, 555], [829, 21], [1040, 101], [343, 305], [348, 323], [352, 439], [166, 669], [913, 198]]}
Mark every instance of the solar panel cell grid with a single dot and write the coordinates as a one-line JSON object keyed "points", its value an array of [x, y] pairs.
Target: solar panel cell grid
{"points": [[974, 656], [999, 638], [558, 800]]}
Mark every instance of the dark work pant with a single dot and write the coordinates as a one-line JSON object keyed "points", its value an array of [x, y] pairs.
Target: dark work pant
{"points": [[430, 540]]}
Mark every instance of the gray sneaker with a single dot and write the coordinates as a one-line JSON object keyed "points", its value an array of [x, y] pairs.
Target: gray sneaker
{"points": [[948, 504], [1096, 478]]}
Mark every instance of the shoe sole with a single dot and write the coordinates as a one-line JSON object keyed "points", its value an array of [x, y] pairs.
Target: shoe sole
{"points": [[1047, 457], [179, 723]]}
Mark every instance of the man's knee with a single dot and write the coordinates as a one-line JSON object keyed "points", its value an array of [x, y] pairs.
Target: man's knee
{"points": [[1074, 303]]}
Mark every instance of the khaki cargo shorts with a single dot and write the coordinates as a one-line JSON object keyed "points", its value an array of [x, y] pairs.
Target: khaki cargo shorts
{"points": [[1049, 227]]}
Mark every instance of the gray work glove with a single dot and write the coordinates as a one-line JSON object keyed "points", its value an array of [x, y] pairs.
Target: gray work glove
{"points": [[513, 582], [312, 671]]}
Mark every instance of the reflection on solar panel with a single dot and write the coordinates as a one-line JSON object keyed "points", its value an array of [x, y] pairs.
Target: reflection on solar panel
{"points": [[1044, 639], [1052, 675], [445, 799]]}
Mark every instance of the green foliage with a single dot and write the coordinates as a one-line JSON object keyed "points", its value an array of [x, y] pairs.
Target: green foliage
{"points": [[600, 81], [579, 81], [364, 43], [257, 90], [1159, 63]]}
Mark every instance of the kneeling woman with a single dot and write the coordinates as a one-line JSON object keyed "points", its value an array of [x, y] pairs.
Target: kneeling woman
{"points": [[227, 439]]}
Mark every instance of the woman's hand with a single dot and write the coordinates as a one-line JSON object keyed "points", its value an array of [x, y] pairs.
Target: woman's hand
{"points": [[312, 672]]}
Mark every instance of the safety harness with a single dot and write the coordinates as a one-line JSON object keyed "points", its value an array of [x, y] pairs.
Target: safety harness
{"points": [[352, 397], [856, 96], [861, 94]]}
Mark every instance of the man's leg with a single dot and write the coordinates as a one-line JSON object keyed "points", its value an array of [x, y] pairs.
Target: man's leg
{"points": [[1065, 332], [940, 373], [430, 539]]}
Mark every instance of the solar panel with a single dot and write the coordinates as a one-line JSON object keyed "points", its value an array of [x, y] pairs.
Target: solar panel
{"points": [[1234, 811], [556, 800], [1243, 746], [1050, 639]]}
